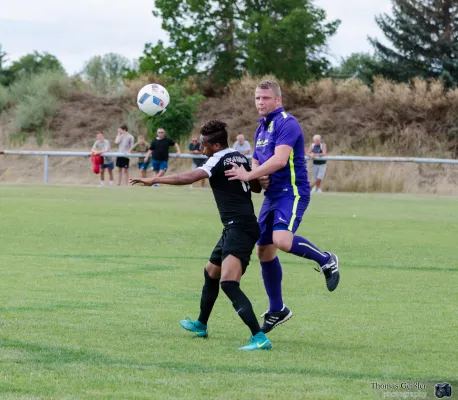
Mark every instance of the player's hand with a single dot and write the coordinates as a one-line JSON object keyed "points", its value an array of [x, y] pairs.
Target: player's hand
{"points": [[178, 154], [141, 181], [264, 181], [237, 173]]}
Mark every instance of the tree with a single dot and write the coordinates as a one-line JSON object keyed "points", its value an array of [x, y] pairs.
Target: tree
{"points": [[106, 72], [424, 37], [164, 60], [34, 63], [179, 119], [287, 38], [4, 73], [357, 65], [226, 38]]}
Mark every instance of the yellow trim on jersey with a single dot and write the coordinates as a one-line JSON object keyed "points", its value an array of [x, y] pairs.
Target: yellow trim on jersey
{"points": [[284, 114], [295, 190]]}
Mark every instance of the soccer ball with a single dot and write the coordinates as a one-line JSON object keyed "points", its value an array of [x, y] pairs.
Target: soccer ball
{"points": [[153, 99]]}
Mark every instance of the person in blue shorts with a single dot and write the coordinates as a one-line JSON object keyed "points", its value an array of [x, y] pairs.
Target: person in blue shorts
{"points": [[280, 154], [141, 147], [159, 150]]}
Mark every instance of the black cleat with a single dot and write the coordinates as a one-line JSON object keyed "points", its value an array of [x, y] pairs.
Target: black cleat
{"points": [[331, 272], [273, 319]]}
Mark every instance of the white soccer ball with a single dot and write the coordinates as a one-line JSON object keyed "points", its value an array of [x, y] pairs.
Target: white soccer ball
{"points": [[153, 99]]}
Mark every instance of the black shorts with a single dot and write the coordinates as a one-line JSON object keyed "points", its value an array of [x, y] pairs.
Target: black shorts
{"points": [[237, 241], [122, 162]]}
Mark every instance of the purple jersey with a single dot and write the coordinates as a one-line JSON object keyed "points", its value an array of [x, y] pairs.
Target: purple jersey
{"points": [[280, 128]]}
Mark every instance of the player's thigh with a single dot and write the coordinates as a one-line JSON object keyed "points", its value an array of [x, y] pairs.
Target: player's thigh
{"points": [[216, 257], [239, 242], [231, 269], [290, 211], [265, 221]]}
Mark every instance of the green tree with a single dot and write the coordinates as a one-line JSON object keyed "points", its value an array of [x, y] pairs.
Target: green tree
{"points": [[106, 72], [4, 73], [225, 38], [34, 63], [179, 118], [286, 38], [357, 65], [164, 60], [424, 39]]}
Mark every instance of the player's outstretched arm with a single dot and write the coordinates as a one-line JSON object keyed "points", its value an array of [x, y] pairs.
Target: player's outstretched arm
{"points": [[177, 179]]}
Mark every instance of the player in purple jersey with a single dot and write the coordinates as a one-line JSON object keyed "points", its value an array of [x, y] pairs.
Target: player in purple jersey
{"points": [[279, 163]]}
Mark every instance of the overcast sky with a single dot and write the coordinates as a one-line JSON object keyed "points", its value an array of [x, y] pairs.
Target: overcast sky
{"points": [[76, 30]]}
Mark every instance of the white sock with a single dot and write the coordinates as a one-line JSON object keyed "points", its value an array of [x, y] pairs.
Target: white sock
{"points": [[111, 182], [102, 183]]}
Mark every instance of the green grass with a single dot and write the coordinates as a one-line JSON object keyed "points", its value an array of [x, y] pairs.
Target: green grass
{"points": [[94, 281]]}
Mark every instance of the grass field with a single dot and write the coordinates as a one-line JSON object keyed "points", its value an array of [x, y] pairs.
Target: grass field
{"points": [[94, 282]]}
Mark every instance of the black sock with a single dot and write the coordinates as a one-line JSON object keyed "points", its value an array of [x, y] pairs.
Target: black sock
{"points": [[208, 298], [241, 305]]}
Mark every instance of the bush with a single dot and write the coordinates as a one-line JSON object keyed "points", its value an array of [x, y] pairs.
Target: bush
{"points": [[35, 98], [31, 113], [179, 119]]}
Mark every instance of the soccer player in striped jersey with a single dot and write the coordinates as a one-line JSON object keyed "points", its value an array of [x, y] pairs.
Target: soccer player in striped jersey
{"points": [[232, 253], [280, 154]]}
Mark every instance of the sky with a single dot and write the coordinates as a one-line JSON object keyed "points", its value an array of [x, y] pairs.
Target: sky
{"points": [[77, 30]]}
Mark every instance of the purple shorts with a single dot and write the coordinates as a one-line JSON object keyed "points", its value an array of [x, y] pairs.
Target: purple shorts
{"points": [[280, 211]]}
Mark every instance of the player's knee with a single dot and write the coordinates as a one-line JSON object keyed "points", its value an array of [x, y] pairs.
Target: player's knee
{"points": [[283, 242], [266, 253], [213, 271]]}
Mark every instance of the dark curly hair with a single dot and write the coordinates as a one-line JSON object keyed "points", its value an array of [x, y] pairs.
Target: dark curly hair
{"points": [[216, 132]]}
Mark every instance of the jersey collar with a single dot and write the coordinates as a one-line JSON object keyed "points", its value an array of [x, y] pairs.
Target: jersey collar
{"points": [[271, 116]]}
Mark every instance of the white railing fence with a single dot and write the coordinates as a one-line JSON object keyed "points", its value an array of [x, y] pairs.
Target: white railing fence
{"points": [[47, 154]]}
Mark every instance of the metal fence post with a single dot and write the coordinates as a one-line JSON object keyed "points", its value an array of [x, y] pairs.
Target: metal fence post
{"points": [[46, 169]]}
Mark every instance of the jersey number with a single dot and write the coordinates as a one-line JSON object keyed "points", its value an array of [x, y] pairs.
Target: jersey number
{"points": [[246, 186]]}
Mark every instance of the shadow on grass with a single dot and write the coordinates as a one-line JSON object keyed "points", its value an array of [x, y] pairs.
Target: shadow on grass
{"points": [[60, 355]]}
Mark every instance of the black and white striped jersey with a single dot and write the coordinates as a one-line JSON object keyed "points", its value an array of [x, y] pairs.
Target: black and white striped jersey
{"points": [[233, 198]]}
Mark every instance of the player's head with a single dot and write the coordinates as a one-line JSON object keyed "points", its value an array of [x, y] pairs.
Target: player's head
{"points": [[317, 139], [123, 129], [194, 140], [100, 135], [267, 97], [160, 133], [213, 137], [141, 139], [240, 138]]}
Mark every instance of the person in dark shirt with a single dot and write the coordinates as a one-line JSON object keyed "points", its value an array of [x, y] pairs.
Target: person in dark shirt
{"points": [[194, 148], [232, 252], [159, 150]]}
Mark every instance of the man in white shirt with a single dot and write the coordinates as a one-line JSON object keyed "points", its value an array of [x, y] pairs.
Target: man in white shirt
{"points": [[125, 141], [242, 145]]}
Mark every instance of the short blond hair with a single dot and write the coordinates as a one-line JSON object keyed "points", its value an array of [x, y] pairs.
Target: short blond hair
{"points": [[317, 137], [268, 84]]}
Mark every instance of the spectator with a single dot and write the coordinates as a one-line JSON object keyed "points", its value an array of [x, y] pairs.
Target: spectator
{"points": [[194, 148], [242, 146], [317, 150], [141, 147], [159, 150], [125, 141], [101, 145]]}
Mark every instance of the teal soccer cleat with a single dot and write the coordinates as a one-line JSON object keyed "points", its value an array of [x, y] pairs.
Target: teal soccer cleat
{"points": [[194, 326], [258, 342]]}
